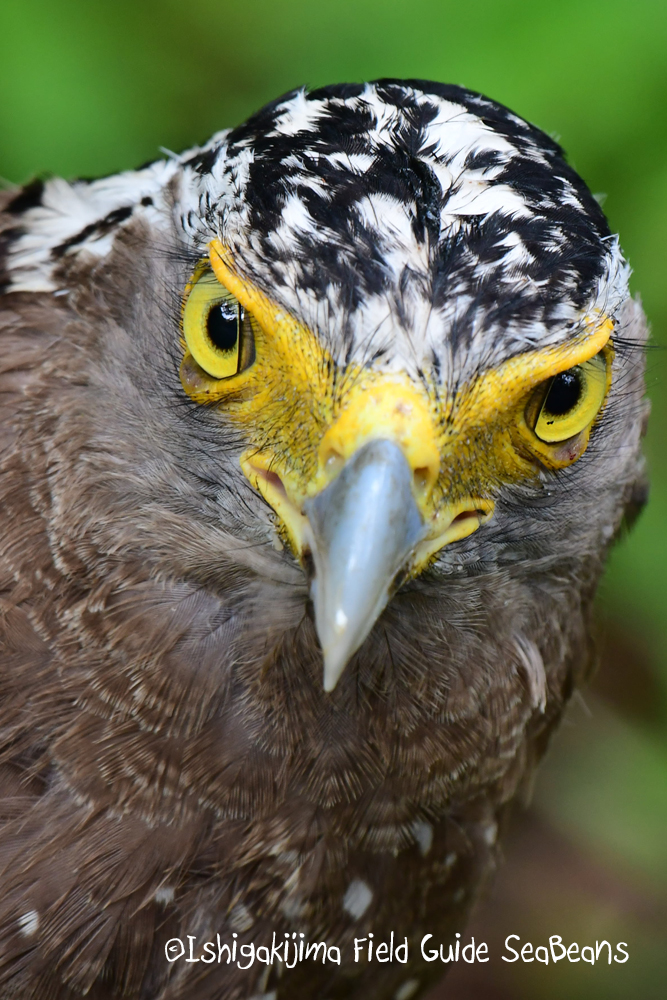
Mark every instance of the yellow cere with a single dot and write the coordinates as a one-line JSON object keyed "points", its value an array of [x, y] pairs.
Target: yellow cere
{"points": [[304, 416]]}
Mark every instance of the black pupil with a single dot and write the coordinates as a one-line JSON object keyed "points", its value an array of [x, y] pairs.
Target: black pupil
{"points": [[222, 325], [564, 394]]}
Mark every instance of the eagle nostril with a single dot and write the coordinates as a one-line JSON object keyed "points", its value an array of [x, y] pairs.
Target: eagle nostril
{"points": [[421, 477], [333, 462]]}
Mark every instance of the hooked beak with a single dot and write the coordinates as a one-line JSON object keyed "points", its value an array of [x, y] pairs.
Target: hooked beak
{"points": [[367, 518], [362, 530], [376, 483]]}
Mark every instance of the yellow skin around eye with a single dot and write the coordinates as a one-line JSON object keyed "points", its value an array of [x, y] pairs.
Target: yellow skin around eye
{"points": [[553, 428], [294, 402], [205, 293]]}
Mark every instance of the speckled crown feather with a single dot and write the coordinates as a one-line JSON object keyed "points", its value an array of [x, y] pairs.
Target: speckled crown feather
{"points": [[415, 224]]}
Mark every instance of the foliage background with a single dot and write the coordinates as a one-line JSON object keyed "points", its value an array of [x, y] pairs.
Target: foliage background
{"points": [[94, 87]]}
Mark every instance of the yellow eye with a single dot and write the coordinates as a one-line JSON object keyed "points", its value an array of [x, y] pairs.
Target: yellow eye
{"points": [[571, 400], [215, 328]]}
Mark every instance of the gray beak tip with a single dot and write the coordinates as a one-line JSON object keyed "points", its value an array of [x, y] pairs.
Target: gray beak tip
{"points": [[336, 658], [364, 526], [332, 673]]}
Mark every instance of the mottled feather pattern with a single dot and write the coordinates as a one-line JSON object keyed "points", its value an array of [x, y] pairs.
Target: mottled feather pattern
{"points": [[169, 762], [432, 206]]}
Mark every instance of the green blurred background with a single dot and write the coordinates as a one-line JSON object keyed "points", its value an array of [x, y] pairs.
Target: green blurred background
{"points": [[93, 86]]}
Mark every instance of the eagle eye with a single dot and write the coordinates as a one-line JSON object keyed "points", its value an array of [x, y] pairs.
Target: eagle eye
{"points": [[223, 324], [570, 401], [217, 332]]}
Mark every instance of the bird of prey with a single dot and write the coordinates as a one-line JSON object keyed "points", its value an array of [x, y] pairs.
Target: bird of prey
{"points": [[314, 441]]}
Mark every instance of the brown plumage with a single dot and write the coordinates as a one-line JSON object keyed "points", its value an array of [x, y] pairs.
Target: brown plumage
{"points": [[171, 765]]}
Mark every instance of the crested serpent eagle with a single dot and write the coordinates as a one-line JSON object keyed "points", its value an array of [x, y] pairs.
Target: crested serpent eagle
{"points": [[314, 441]]}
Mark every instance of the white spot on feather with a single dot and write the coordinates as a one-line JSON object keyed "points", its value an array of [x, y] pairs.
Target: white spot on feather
{"points": [[407, 990], [356, 163], [490, 832], [241, 918], [29, 923], [357, 899], [531, 660], [299, 115], [475, 199], [423, 834], [293, 907], [164, 895]]}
